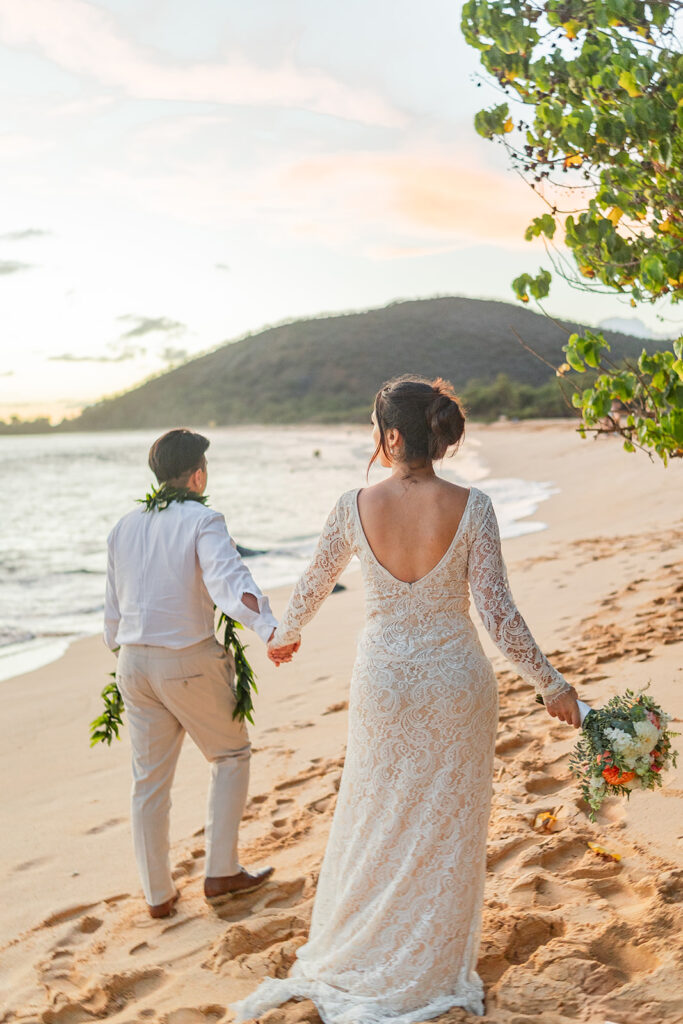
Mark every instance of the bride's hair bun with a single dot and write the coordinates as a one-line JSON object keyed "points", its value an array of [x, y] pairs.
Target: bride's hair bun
{"points": [[426, 413], [445, 418]]}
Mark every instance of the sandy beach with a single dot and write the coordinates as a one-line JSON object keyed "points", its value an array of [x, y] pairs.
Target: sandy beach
{"points": [[568, 934]]}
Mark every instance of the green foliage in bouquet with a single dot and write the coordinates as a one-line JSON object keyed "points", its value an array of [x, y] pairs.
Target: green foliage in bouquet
{"points": [[591, 119], [106, 726], [609, 763]]}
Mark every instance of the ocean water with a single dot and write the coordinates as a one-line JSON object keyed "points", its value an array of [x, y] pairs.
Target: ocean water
{"points": [[275, 486]]}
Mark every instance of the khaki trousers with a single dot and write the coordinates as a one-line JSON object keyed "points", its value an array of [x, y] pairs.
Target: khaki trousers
{"points": [[168, 692]]}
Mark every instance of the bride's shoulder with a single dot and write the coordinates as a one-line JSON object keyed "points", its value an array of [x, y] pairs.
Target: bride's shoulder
{"points": [[478, 503], [347, 500]]}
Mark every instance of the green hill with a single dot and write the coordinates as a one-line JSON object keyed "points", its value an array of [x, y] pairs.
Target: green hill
{"points": [[328, 369]]}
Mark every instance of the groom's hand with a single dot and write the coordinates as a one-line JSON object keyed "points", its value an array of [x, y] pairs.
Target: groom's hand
{"points": [[279, 655]]}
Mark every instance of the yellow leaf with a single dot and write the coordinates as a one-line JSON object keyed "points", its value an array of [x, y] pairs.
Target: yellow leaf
{"points": [[545, 821], [615, 215], [614, 22], [525, 298], [634, 303], [587, 271], [664, 226], [628, 82], [573, 160], [571, 28], [508, 125], [510, 76], [599, 138], [602, 852]]}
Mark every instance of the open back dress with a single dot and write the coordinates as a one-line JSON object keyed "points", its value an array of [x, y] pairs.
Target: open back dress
{"points": [[396, 923]]}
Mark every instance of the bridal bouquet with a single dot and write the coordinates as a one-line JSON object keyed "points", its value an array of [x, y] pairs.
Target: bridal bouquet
{"points": [[625, 745]]}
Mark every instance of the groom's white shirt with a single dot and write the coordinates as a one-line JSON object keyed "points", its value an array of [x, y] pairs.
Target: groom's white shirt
{"points": [[167, 569]]}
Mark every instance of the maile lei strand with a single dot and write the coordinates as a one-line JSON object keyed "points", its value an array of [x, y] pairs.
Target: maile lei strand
{"points": [[104, 728]]}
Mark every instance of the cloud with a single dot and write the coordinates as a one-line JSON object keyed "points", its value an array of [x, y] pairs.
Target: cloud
{"points": [[151, 325], [85, 40], [174, 355], [426, 193], [71, 357], [20, 236], [13, 266]]}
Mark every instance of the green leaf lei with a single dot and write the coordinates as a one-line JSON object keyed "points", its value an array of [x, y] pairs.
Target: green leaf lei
{"points": [[106, 726]]}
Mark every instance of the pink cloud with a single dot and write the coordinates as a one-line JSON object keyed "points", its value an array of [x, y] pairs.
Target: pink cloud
{"points": [[430, 192]]}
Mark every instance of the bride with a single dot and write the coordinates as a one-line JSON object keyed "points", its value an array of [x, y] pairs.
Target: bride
{"points": [[396, 923]]}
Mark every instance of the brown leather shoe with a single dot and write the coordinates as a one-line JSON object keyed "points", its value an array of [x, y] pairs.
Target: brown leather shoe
{"points": [[163, 909], [235, 885]]}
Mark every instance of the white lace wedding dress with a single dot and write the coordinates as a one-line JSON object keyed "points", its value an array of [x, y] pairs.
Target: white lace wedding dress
{"points": [[396, 924]]}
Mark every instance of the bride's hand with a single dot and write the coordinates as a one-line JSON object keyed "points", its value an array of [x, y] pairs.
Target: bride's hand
{"points": [[565, 708], [279, 655]]}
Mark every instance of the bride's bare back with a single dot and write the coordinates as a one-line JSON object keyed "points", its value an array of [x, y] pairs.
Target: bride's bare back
{"points": [[411, 523]]}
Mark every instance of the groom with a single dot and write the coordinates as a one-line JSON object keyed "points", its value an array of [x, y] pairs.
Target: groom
{"points": [[166, 570]]}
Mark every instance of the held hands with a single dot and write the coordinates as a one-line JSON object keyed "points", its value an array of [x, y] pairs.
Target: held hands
{"points": [[565, 708], [279, 655]]}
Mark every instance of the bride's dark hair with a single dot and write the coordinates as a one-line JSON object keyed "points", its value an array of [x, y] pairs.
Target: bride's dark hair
{"points": [[427, 414]]}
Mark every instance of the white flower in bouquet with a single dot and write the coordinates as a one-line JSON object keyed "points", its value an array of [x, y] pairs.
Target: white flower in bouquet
{"points": [[648, 735], [624, 746]]}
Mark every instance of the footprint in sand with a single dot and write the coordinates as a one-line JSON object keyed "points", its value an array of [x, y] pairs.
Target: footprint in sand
{"points": [[625, 958], [184, 869], [189, 1015], [112, 823], [239, 952], [62, 916], [541, 784], [273, 895], [28, 864], [322, 805], [499, 853], [105, 997], [334, 708], [572, 859]]}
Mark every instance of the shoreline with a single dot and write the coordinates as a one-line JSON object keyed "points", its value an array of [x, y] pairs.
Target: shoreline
{"points": [[18, 657], [598, 590], [304, 425]]}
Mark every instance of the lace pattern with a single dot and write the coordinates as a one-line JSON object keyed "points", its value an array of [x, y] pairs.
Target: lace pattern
{"points": [[396, 923]]}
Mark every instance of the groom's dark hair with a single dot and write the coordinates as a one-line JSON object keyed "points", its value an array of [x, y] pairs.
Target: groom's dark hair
{"points": [[177, 454]]}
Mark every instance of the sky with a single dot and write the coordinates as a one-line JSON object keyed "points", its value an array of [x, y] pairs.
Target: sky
{"points": [[175, 175]]}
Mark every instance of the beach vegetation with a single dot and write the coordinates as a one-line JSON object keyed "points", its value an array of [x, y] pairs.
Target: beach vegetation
{"points": [[590, 114]]}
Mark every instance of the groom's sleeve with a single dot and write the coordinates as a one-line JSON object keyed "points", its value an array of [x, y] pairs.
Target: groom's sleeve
{"points": [[112, 614], [227, 578]]}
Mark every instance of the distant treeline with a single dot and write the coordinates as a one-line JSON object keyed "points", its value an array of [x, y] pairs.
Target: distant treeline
{"points": [[41, 425], [484, 402]]}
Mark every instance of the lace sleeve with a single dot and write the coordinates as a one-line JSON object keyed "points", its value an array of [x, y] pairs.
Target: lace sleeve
{"points": [[502, 620], [332, 555]]}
